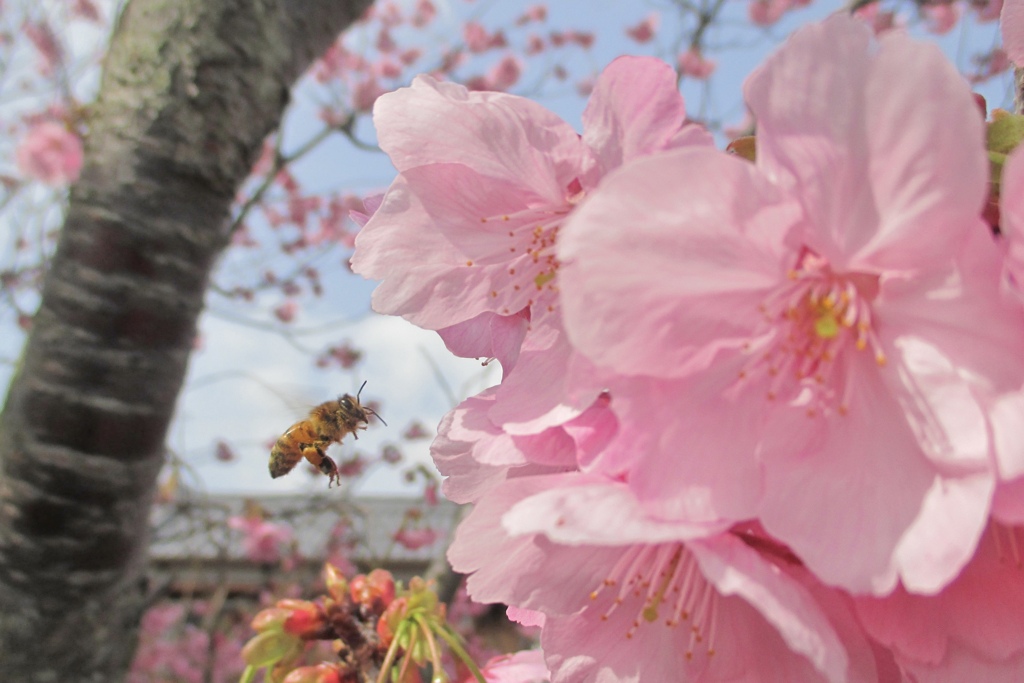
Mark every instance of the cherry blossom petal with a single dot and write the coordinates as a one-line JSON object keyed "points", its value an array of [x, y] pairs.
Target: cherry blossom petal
{"points": [[708, 247], [525, 571], [808, 100], [971, 630], [500, 137], [882, 181], [488, 336], [671, 443], [634, 109], [526, 666], [579, 509], [929, 186], [1011, 25], [884, 509], [475, 455], [552, 383], [420, 290]]}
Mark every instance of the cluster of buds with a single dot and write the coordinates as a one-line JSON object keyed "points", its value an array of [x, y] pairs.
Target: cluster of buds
{"points": [[379, 630]]}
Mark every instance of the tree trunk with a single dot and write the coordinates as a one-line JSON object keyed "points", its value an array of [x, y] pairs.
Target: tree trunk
{"points": [[190, 90]]}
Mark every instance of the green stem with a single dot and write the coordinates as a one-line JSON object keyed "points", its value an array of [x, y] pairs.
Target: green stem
{"points": [[248, 674], [389, 658], [435, 654], [460, 652], [408, 655]]}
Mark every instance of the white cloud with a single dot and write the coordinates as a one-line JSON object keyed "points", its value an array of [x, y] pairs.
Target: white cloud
{"points": [[247, 386]]}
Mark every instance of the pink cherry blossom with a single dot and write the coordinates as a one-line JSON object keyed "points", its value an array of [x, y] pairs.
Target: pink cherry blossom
{"points": [[629, 598], [468, 230], [972, 630], [487, 179], [475, 454], [810, 324], [50, 153], [526, 666]]}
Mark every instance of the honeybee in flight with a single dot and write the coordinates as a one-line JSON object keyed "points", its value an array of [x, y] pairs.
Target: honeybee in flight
{"points": [[328, 423]]}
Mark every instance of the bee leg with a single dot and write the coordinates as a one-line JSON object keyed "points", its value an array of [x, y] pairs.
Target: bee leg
{"points": [[328, 467]]}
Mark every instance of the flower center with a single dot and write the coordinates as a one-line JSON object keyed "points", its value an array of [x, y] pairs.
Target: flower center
{"points": [[818, 317], [663, 584], [531, 266]]}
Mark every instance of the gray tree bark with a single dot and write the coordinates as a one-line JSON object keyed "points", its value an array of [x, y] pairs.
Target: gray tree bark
{"points": [[190, 90]]}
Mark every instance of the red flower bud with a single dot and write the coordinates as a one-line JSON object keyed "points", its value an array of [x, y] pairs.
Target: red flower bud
{"points": [[378, 585], [321, 673], [304, 619]]}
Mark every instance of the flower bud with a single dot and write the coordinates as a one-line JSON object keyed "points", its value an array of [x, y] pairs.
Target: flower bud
{"points": [[365, 589], [305, 618], [388, 623], [270, 619], [337, 584], [321, 673]]}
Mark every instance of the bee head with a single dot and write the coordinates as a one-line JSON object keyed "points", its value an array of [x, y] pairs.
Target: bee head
{"points": [[355, 412]]}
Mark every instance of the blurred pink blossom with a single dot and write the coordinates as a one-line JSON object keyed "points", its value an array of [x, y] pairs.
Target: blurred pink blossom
{"points": [[365, 94], [223, 452], [286, 312], [988, 10], [766, 12], [85, 9], [42, 37], [262, 541], [990, 65], [532, 13], [425, 13], [942, 17], [477, 38], [414, 539], [644, 31], [693, 64], [409, 57], [385, 43], [50, 153], [505, 73], [878, 19]]}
